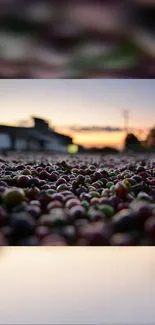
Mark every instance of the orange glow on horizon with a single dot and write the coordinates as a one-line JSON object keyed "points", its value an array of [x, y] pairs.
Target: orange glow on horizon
{"points": [[95, 139], [99, 139]]}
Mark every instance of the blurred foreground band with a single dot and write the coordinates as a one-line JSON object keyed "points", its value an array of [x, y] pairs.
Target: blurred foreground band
{"points": [[77, 39]]}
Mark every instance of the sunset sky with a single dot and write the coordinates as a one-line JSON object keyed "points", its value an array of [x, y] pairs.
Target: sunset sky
{"points": [[71, 104]]}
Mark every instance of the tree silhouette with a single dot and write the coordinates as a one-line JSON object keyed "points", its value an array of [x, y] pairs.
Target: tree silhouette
{"points": [[132, 142], [150, 140]]}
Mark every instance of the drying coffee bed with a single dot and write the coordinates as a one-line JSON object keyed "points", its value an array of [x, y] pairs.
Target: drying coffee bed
{"points": [[77, 200]]}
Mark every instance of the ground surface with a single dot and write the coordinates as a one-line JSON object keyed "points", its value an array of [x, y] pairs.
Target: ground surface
{"points": [[77, 200]]}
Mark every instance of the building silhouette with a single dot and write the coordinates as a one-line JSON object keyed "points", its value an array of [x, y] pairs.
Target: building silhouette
{"points": [[40, 137]]}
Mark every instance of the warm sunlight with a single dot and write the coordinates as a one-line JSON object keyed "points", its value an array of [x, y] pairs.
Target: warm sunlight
{"points": [[99, 139]]}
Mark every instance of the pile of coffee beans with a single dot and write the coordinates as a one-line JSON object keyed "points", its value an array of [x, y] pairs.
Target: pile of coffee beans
{"points": [[77, 200]]}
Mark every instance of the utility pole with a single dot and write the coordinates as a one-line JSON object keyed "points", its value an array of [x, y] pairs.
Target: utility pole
{"points": [[126, 121]]}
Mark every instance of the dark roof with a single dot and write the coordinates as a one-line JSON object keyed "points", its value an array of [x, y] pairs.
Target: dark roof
{"points": [[32, 133], [61, 136], [50, 133], [20, 132]]}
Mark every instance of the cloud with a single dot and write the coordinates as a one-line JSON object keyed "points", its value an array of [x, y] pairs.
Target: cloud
{"points": [[95, 129]]}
